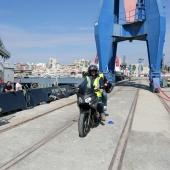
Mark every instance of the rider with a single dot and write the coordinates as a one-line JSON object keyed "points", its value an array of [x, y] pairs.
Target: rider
{"points": [[98, 85], [104, 98]]}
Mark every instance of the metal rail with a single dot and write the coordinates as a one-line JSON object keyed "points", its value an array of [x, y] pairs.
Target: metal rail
{"points": [[164, 103], [33, 148], [28, 120], [118, 155]]}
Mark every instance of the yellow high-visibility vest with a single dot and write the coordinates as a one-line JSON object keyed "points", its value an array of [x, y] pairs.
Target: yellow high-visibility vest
{"points": [[101, 75], [96, 85]]}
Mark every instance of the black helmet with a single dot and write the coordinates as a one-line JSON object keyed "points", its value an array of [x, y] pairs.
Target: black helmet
{"points": [[93, 67], [109, 87]]}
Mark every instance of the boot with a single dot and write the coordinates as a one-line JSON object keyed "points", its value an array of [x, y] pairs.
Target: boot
{"points": [[97, 115], [103, 117]]}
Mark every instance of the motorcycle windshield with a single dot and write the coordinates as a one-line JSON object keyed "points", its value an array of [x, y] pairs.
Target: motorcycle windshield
{"points": [[84, 90]]}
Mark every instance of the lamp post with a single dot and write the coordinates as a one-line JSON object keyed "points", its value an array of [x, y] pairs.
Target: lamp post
{"points": [[140, 66], [169, 67]]}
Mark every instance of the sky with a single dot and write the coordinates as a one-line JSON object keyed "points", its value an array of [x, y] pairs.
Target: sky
{"points": [[36, 30]]}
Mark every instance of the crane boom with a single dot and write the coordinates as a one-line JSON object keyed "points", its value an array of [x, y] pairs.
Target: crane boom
{"points": [[3, 52]]}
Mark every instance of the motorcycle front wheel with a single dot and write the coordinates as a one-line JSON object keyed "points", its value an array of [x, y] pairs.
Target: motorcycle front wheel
{"points": [[83, 125]]}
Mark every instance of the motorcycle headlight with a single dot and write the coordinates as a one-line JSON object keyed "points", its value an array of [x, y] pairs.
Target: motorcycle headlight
{"points": [[88, 100], [80, 100]]}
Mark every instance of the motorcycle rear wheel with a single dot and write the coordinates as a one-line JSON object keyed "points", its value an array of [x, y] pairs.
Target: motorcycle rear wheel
{"points": [[83, 125]]}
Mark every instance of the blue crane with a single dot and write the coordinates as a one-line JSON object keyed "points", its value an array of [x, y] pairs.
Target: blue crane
{"points": [[146, 22]]}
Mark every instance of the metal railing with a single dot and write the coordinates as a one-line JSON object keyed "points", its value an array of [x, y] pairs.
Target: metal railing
{"points": [[130, 17]]}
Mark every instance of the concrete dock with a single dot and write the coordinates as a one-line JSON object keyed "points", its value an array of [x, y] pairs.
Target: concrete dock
{"points": [[46, 137]]}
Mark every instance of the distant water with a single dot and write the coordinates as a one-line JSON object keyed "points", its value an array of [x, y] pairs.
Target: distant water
{"points": [[50, 80]]}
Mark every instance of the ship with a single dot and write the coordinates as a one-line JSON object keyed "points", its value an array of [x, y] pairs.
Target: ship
{"points": [[34, 91]]}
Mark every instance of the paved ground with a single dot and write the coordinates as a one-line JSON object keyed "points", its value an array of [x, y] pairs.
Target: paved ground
{"points": [[167, 97], [148, 146], [149, 142]]}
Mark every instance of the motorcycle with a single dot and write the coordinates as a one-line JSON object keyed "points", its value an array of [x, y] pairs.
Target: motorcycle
{"points": [[87, 102]]}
